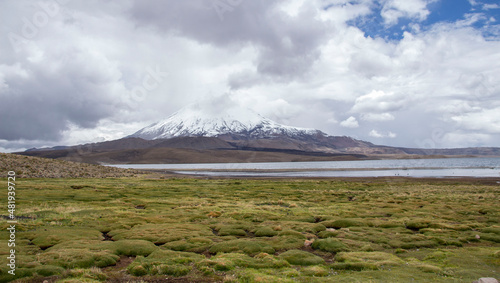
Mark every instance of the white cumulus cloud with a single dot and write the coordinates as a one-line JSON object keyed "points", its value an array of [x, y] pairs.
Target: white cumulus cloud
{"points": [[378, 101], [394, 9], [350, 122], [377, 134], [377, 117]]}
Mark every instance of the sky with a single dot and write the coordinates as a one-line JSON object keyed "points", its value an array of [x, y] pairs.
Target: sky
{"points": [[411, 73]]}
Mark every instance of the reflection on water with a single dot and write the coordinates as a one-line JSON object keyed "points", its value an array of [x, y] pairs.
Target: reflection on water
{"points": [[445, 167]]}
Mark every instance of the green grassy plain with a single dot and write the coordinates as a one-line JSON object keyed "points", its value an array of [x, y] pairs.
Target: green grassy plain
{"points": [[228, 230]]}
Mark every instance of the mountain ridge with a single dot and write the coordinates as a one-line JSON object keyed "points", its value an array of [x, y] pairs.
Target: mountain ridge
{"points": [[200, 134], [216, 150], [194, 121]]}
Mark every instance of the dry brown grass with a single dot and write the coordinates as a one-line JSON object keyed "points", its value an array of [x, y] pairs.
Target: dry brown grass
{"points": [[35, 167]]}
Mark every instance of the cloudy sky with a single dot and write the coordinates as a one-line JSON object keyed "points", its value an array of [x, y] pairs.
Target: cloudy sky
{"points": [[414, 73]]}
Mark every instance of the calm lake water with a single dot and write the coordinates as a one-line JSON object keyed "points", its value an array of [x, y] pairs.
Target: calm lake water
{"points": [[445, 167]]}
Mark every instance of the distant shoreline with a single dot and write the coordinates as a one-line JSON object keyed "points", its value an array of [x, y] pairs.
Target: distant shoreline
{"points": [[435, 168]]}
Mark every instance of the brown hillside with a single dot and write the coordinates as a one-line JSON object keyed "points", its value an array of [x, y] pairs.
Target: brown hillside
{"points": [[164, 155], [35, 167]]}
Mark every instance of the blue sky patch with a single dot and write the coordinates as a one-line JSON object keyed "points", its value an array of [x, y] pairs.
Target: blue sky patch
{"points": [[486, 14]]}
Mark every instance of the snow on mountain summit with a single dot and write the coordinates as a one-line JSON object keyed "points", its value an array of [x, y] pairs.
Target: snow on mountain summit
{"points": [[198, 120]]}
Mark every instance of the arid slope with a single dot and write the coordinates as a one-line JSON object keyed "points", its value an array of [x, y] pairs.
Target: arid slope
{"points": [[35, 167]]}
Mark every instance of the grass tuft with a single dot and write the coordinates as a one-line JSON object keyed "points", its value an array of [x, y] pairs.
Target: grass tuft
{"points": [[315, 271], [417, 224], [297, 257], [196, 245], [49, 270], [90, 274], [246, 246], [265, 232], [133, 247], [164, 262], [328, 234], [224, 262], [78, 258], [292, 233], [49, 236], [376, 258]]}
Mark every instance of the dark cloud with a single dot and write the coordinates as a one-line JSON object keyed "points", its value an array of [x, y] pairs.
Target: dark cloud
{"points": [[39, 103], [287, 45], [200, 20]]}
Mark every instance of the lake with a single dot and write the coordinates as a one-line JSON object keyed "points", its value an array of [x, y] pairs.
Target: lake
{"points": [[442, 167]]}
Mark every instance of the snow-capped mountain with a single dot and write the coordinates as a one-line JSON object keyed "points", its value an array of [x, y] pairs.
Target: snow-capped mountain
{"points": [[224, 133], [197, 120]]}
